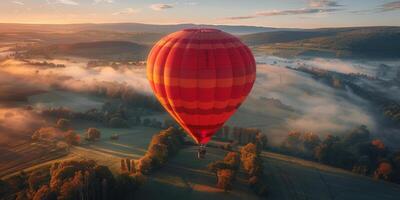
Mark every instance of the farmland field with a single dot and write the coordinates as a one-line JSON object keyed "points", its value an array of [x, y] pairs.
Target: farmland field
{"points": [[287, 177], [132, 144]]}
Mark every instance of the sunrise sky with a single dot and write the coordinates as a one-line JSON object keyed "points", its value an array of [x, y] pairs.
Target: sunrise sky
{"points": [[274, 13]]}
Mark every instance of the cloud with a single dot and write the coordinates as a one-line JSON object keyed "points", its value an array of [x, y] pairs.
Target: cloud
{"points": [[127, 11], [386, 7], [301, 11], [314, 106], [160, 6], [241, 17], [314, 7], [65, 2], [395, 5], [323, 4], [191, 3], [103, 1], [296, 11], [18, 3]]}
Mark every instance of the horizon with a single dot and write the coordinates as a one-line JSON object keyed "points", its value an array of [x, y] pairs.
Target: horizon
{"points": [[280, 14], [200, 24]]}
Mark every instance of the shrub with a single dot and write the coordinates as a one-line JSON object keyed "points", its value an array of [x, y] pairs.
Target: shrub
{"points": [[145, 164], [261, 141], [311, 142], [87, 180], [47, 133], [4, 188], [117, 122], [335, 154], [127, 184], [252, 165], [162, 145], [226, 146], [36, 180], [114, 136], [225, 178], [63, 124], [19, 182], [72, 138], [217, 165], [232, 159], [45, 193], [92, 134], [384, 170], [225, 170]]}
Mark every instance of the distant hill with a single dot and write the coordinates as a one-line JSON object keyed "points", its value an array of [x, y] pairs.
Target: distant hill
{"points": [[130, 27], [79, 36], [372, 42], [96, 50]]}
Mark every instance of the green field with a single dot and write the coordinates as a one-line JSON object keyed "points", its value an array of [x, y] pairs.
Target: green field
{"points": [[186, 177], [132, 144]]}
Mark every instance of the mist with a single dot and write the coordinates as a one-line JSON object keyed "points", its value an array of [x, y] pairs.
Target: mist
{"points": [[76, 76], [282, 99], [315, 107]]}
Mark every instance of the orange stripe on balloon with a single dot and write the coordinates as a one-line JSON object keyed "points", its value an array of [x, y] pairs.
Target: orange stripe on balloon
{"points": [[202, 83], [200, 105], [203, 120]]}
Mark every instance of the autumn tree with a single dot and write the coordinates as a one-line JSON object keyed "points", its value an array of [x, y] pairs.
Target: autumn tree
{"points": [[72, 138], [162, 145], [252, 165], [36, 180], [261, 141], [92, 134], [45, 193], [225, 178], [127, 184], [4, 188], [333, 152], [362, 166], [232, 159], [63, 124], [384, 170], [357, 136], [293, 143], [311, 142], [396, 167]]}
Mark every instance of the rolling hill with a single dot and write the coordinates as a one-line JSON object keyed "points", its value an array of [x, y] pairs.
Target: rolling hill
{"points": [[48, 38], [372, 42], [96, 50]]}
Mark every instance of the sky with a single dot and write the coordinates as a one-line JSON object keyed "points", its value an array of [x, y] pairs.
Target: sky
{"points": [[270, 13]]}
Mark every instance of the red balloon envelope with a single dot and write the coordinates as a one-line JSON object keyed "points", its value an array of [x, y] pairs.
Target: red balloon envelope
{"points": [[201, 77]]}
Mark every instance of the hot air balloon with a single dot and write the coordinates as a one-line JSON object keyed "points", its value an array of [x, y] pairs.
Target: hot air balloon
{"points": [[201, 77]]}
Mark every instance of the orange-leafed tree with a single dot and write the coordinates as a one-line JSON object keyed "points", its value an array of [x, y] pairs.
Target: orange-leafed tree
{"points": [[384, 170], [225, 178]]}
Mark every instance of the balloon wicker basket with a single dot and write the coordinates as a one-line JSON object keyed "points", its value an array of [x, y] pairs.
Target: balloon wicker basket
{"points": [[201, 153]]}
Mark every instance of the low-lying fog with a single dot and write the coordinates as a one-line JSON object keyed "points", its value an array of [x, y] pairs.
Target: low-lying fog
{"points": [[282, 99]]}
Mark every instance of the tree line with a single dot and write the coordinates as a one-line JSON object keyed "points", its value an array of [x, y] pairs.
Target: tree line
{"points": [[356, 151], [71, 180]]}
